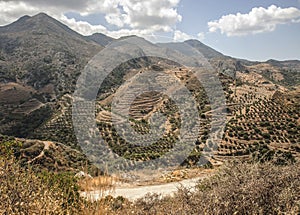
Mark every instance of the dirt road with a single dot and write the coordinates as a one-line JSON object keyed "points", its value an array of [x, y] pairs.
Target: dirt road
{"points": [[133, 193]]}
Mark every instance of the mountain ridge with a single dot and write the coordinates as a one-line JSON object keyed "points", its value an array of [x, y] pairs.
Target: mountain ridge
{"points": [[97, 37], [101, 39]]}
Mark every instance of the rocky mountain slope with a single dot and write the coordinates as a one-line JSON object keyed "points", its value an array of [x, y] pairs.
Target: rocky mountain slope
{"points": [[40, 60]]}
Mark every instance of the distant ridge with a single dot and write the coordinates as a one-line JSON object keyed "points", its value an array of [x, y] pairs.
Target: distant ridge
{"points": [[101, 39], [207, 51]]}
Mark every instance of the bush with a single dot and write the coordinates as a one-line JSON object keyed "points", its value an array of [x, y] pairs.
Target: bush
{"points": [[238, 188], [266, 136], [22, 191]]}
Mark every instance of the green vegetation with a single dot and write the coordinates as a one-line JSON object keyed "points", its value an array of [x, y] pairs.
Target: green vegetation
{"points": [[269, 122]]}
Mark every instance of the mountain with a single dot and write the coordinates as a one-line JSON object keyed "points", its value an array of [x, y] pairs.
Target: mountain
{"points": [[41, 60], [40, 23], [33, 43], [101, 39], [204, 49], [222, 63]]}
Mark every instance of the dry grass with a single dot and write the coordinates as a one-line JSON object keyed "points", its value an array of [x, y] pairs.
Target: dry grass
{"points": [[22, 192], [99, 183], [238, 188], [26, 191]]}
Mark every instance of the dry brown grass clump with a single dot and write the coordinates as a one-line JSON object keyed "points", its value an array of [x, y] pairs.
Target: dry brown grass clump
{"points": [[100, 183], [238, 188]]}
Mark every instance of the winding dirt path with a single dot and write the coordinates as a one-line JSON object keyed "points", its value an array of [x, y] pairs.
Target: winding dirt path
{"points": [[47, 145]]}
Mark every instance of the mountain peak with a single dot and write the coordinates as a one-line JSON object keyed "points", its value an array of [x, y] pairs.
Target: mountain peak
{"points": [[101, 39], [42, 16], [40, 23], [98, 34], [26, 23], [193, 41], [128, 36], [23, 18]]}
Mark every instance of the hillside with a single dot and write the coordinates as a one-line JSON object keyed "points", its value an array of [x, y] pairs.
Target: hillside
{"points": [[263, 118], [41, 59], [46, 155]]}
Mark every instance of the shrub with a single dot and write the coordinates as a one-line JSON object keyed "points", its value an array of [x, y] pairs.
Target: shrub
{"points": [[23, 191], [266, 136], [237, 188]]}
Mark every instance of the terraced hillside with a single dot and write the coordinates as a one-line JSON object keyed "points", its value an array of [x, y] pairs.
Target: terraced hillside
{"points": [[263, 119], [41, 59], [141, 110]]}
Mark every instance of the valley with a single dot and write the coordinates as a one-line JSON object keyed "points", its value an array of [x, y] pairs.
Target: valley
{"points": [[41, 61]]}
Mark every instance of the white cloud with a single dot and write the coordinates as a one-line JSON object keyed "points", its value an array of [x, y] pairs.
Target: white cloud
{"points": [[201, 36], [134, 16], [258, 20], [96, 6], [180, 36], [152, 14], [115, 19], [84, 28], [158, 14], [10, 11]]}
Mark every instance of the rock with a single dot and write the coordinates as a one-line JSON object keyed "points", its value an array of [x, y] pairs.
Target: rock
{"points": [[82, 174]]}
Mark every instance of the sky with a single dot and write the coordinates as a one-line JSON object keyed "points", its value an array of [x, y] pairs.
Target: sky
{"points": [[248, 29]]}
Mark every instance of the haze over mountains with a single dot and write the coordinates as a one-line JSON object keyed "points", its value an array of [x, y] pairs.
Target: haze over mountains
{"points": [[41, 60]]}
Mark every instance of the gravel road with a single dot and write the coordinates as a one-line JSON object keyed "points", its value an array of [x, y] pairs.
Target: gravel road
{"points": [[133, 193]]}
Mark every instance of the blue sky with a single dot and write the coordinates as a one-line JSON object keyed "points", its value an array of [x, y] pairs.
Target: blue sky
{"points": [[249, 29], [282, 43]]}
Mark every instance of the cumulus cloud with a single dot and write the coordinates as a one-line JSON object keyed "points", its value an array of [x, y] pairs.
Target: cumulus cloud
{"points": [[83, 6], [10, 11], [84, 28], [201, 36], [181, 36], [156, 14], [258, 20], [129, 16], [96, 6]]}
